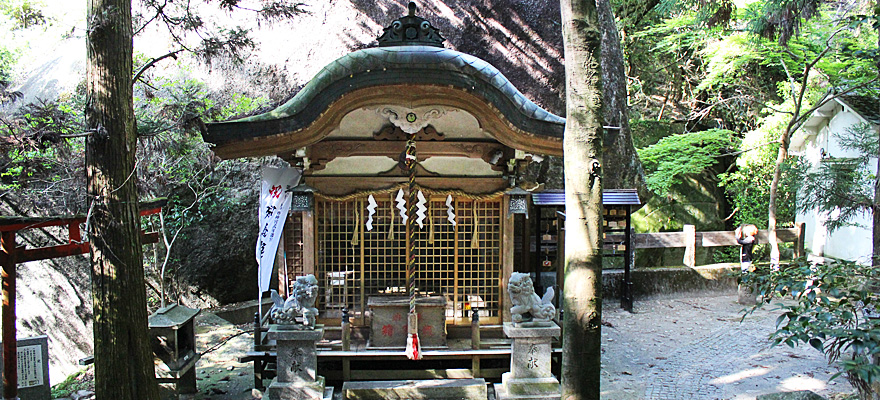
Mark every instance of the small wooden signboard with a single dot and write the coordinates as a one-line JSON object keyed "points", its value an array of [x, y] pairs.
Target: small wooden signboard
{"points": [[33, 368]]}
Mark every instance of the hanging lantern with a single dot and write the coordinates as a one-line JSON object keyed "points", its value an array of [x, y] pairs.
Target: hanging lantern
{"points": [[519, 201], [302, 198]]}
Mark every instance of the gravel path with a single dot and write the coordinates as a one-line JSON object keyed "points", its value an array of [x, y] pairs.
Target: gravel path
{"points": [[697, 348], [687, 348]]}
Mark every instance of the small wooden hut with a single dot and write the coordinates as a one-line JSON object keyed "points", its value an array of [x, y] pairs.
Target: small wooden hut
{"points": [[347, 129]]}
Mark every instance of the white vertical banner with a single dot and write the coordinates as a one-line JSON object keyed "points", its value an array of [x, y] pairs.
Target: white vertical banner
{"points": [[274, 205]]}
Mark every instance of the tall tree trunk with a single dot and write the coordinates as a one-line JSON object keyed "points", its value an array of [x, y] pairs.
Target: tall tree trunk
{"points": [[875, 252], [774, 190], [619, 150], [123, 359], [582, 147]]}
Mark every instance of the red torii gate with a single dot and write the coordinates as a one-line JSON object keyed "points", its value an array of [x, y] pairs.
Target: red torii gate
{"points": [[12, 255]]}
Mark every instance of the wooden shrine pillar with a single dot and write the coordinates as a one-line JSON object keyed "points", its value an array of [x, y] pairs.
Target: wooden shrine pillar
{"points": [[507, 250], [10, 351]]}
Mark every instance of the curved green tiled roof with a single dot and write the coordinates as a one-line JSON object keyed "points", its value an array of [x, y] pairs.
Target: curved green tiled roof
{"points": [[381, 66]]}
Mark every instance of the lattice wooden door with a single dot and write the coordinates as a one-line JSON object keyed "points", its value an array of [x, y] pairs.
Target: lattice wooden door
{"points": [[353, 264]]}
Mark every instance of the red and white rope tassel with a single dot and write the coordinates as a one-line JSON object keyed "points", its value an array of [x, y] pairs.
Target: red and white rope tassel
{"points": [[413, 347]]}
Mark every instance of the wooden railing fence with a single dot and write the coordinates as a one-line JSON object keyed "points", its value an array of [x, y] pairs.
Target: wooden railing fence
{"points": [[690, 239]]}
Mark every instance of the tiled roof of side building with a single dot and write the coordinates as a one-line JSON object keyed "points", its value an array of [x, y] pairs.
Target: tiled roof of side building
{"points": [[866, 106]]}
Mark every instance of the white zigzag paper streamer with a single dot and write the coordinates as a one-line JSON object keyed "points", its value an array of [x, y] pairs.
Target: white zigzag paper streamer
{"points": [[371, 208], [401, 205], [450, 210], [420, 210]]}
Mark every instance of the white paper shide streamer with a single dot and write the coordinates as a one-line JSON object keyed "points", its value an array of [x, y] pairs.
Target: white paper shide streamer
{"points": [[420, 210], [450, 210], [401, 205], [371, 209]]}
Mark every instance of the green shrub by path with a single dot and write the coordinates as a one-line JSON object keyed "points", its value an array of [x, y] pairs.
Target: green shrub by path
{"points": [[81, 380], [833, 308]]}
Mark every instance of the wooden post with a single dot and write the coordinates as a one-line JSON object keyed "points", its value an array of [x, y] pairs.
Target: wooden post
{"points": [[526, 250], [475, 329], [281, 264], [309, 251], [506, 257], [690, 245], [10, 350], [799, 243], [560, 257]]}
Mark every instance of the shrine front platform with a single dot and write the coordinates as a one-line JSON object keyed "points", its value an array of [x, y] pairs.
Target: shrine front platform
{"points": [[458, 360]]}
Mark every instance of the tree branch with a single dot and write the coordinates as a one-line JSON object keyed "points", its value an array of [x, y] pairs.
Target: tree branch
{"points": [[153, 62]]}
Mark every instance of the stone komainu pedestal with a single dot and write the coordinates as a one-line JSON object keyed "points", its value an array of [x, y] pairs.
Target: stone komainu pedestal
{"points": [[529, 376], [297, 377]]}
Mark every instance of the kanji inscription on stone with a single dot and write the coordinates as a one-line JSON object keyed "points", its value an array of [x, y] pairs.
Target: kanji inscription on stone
{"points": [[30, 366]]}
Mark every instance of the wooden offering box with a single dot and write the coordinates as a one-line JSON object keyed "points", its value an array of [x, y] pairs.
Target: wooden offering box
{"points": [[388, 327]]}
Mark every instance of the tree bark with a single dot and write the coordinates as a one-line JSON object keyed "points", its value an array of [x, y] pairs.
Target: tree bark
{"points": [[774, 190], [582, 147], [123, 359], [875, 252], [619, 150]]}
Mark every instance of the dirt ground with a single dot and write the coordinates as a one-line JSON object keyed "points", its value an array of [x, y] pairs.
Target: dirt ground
{"points": [[693, 347], [700, 347]]}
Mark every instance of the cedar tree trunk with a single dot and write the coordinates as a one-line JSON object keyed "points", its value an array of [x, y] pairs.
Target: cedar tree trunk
{"points": [[123, 359], [582, 147]]}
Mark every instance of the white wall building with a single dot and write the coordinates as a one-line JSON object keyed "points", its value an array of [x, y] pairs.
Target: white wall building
{"points": [[815, 141]]}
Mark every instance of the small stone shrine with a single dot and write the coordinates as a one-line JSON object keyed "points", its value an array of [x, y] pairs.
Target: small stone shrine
{"points": [[295, 332], [532, 331]]}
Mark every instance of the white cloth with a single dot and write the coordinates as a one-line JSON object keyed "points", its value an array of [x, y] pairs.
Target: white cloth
{"points": [[274, 205]]}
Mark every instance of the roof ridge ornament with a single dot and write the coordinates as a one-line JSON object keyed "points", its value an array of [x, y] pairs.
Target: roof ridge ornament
{"points": [[411, 30]]}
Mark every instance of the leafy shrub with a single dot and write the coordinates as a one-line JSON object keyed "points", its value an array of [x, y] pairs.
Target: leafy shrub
{"points": [[673, 157], [834, 309]]}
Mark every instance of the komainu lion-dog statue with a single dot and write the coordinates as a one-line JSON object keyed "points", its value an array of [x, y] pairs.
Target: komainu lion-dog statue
{"points": [[528, 308]]}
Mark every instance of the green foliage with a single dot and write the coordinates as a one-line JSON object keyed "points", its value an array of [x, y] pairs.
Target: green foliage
{"points": [[80, 380], [673, 157], [832, 310], [171, 113], [649, 132], [7, 61], [40, 158], [780, 19], [24, 13], [843, 188]]}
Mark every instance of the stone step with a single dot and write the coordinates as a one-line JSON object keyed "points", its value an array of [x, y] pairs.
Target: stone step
{"points": [[433, 389]]}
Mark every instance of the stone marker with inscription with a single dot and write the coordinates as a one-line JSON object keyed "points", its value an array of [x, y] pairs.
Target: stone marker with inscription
{"points": [[33, 368]]}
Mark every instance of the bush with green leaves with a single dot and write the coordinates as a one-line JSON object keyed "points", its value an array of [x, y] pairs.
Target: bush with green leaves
{"points": [[834, 307], [675, 156]]}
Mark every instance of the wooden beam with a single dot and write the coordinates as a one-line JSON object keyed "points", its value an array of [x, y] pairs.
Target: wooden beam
{"points": [[323, 152], [660, 240], [71, 249], [14, 223], [345, 185]]}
